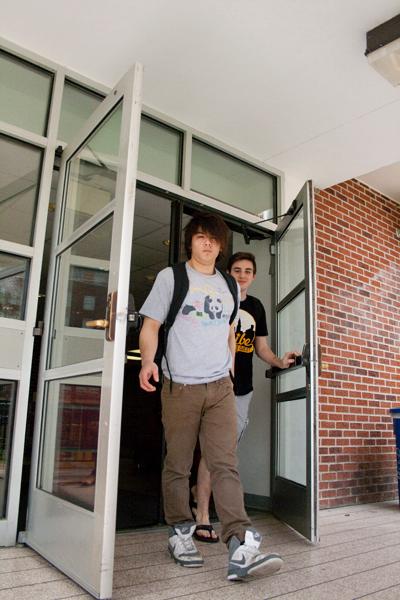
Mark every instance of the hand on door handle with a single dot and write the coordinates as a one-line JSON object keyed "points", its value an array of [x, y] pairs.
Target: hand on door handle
{"points": [[97, 324]]}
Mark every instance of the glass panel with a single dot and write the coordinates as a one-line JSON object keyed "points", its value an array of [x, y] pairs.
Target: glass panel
{"points": [[81, 296], [77, 106], [69, 439], [291, 336], [150, 249], [291, 256], [20, 166], [8, 390], [291, 325], [160, 151], [13, 284], [225, 178], [92, 174], [291, 380], [24, 94], [292, 435]]}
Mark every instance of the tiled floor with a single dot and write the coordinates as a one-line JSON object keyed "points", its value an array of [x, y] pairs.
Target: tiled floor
{"points": [[358, 557]]}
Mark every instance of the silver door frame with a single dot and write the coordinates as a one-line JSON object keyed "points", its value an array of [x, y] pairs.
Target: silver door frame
{"points": [[98, 528]]}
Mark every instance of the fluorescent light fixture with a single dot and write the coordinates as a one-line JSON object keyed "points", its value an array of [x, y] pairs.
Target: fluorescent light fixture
{"points": [[383, 50]]}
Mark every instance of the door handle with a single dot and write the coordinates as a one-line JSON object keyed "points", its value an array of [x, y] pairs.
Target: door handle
{"points": [[111, 316], [97, 324], [305, 355], [108, 324]]}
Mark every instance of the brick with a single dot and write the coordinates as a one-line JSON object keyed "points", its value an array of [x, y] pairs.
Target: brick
{"points": [[358, 302]]}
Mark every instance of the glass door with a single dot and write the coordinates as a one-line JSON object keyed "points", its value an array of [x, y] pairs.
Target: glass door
{"points": [[74, 479], [294, 465]]}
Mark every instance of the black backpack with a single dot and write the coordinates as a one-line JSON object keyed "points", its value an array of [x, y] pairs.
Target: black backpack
{"points": [[181, 288]]}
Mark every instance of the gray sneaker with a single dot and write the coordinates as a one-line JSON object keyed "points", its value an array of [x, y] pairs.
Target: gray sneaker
{"points": [[182, 548], [245, 558]]}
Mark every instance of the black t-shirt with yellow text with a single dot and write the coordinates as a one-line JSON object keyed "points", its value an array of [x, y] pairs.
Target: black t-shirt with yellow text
{"points": [[252, 322]]}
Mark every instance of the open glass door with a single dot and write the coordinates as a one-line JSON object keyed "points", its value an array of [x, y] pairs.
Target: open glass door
{"points": [[294, 424], [74, 480]]}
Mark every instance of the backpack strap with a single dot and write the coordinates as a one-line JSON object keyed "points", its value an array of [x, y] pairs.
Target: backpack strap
{"points": [[181, 288], [233, 288]]}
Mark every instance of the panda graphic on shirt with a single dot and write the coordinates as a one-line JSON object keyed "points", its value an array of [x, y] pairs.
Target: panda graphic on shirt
{"points": [[207, 307]]}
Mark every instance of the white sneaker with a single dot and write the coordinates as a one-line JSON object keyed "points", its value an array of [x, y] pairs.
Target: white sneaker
{"points": [[245, 558], [182, 548]]}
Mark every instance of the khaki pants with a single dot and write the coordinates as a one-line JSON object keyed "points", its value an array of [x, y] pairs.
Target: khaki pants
{"points": [[205, 411]]}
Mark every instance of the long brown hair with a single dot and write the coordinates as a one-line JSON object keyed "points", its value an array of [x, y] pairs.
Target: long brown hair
{"points": [[210, 224]]}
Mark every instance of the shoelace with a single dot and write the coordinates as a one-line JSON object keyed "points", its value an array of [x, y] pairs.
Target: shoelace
{"points": [[248, 551], [188, 544]]}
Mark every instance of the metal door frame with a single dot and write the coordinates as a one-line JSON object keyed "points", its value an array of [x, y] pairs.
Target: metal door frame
{"points": [[102, 521]]}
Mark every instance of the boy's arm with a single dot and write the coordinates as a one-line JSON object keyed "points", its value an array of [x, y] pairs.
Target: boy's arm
{"points": [[148, 342], [264, 352]]}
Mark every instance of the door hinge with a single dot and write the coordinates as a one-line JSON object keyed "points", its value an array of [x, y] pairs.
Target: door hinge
{"points": [[272, 249], [38, 330]]}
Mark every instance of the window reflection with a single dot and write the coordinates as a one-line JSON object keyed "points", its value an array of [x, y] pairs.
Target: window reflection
{"points": [[7, 403], [81, 297], [69, 457], [92, 174], [13, 285], [87, 291], [20, 166]]}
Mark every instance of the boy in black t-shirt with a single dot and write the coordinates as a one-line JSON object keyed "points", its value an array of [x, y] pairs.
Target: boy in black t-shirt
{"points": [[251, 336]]}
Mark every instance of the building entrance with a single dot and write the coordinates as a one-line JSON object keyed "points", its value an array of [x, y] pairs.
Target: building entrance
{"points": [[157, 234]]}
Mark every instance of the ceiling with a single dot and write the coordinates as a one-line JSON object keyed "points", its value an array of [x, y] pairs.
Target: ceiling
{"points": [[287, 82]]}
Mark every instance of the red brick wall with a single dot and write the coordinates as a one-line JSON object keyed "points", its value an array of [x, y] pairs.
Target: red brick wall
{"points": [[358, 312]]}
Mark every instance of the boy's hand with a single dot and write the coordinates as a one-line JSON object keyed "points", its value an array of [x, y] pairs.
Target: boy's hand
{"points": [[288, 359], [149, 370]]}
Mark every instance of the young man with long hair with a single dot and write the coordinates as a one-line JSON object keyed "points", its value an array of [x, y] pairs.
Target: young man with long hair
{"points": [[198, 400]]}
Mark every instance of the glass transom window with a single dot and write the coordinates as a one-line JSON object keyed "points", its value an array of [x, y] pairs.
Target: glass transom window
{"points": [[77, 106], [231, 180], [160, 150], [24, 94]]}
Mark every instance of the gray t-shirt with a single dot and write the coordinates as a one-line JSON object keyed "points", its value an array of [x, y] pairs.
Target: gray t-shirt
{"points": [[197, 350]]}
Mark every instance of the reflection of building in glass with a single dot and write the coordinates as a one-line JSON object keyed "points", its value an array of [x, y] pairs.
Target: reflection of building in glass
{"points": [[87, 295], [13, 282], [7, 403], [76, 447]]}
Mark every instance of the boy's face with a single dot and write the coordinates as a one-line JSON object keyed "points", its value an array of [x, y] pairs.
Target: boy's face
{"points": [[243, 272], [205, 248]]}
